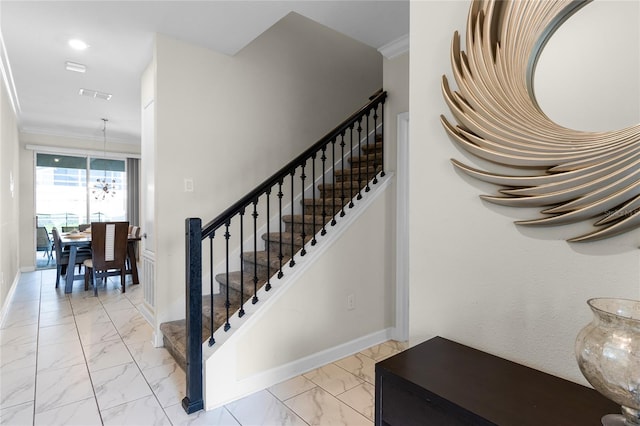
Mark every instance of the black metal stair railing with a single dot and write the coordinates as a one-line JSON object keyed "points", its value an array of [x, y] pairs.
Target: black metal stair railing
{"points": [[296, 193]]}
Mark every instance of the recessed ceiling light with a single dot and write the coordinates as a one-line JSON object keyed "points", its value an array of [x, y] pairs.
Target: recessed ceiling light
{"points": [[78, 44], [73, 66]]}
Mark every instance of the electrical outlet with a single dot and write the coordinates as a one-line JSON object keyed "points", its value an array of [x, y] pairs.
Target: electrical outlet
{"points": [[351, 302]]}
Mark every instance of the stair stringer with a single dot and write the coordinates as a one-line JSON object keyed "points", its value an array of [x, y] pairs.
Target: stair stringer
{"points": [[223, 382]]}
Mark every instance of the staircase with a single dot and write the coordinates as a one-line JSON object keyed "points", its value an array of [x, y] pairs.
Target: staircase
{"points": [[298, 230]]}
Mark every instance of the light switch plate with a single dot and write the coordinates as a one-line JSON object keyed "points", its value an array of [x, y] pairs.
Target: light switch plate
{"points": [[188, 185]]}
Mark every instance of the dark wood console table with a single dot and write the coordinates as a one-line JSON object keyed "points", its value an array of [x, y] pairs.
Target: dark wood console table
{"points": [[444, 383]]}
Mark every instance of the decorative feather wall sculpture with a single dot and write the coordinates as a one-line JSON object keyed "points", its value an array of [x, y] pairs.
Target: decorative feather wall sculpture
{"points": [[572, 175]]}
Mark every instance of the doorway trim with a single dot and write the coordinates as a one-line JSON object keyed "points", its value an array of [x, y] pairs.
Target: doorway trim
{"points": [[401, 332]]}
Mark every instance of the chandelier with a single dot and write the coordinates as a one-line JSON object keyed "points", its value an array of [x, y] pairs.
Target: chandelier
{"points": [[104, 188]]}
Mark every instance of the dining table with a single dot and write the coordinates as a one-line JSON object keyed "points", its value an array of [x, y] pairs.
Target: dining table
{"points": [[74, 240]]}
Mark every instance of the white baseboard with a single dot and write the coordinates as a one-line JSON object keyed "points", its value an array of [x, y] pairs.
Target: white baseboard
{"points": [[262, 380], [327, 356], [7, 301]]}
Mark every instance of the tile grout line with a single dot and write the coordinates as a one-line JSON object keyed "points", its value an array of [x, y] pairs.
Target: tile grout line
{"points": [[86, 361], [293, 396], [135, 361], [35, 378]]}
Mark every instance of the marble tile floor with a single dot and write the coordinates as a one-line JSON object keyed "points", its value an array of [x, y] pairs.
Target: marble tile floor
{"points": [[80, 360]]}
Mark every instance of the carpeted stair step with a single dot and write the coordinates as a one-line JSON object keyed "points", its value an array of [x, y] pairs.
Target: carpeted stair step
{"points": [[328, 206], [174, 332], [359, 174], [235, 284], [272, 242], [349, 188], [260, 258], [373, 147], [347, 193], [293, 223], [369, 159]]}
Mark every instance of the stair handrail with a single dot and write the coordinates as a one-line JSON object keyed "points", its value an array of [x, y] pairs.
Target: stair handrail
{"points": [[378, 97]]}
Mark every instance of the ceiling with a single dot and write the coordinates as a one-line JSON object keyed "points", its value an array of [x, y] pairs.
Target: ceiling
{"points": [[120, 35]]}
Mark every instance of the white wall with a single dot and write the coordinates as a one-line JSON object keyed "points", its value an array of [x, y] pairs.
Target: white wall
{"points": [[27, 176], [228, 123], [476, 277], [10, 187]]}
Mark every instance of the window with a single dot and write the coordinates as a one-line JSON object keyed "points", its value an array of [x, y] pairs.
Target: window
{"points": [[66, 193]]}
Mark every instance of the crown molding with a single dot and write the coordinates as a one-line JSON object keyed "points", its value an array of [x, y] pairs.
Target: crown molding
{"points": [[7, 76], [73, 134], [395, 48]]}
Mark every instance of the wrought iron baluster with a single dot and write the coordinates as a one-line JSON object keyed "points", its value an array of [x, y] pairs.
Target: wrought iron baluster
{"points": [[359, 197], [342, 196], [241, 312], [375, 142], [351, 171], [267, 286], [303, 233], [292, 262], [323, 199], [254, 300], [333, 196], [313, 190], [227, 304], [382, 137], [211, 339], [366, 160], [280, 255]]}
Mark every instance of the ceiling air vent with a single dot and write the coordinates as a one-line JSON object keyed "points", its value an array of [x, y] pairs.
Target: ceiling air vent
{"points": [[95, 94], [75, 67]]}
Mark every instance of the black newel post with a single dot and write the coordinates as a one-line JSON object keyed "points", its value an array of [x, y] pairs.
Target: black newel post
{"points": [[193, 402]]}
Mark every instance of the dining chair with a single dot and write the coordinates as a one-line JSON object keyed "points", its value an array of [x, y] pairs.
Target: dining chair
{"points": [[85, 250], [108, 253], [62, 257], [83, 227], [134, 231], [44, 243]]}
